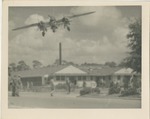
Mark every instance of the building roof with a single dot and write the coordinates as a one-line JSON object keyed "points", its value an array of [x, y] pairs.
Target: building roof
{"points": [[100, 71], [124, 71], [40, 71], [69, 70]]}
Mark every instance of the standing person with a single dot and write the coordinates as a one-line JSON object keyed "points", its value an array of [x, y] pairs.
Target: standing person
{"points": [[52, 87], [68, 85], [13, 85], [28, 86], [18, 85], [84, 83], [74, 84], [31, 86]]}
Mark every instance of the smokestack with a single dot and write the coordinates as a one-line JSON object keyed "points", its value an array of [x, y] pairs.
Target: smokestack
{"points": [[60, 53]]}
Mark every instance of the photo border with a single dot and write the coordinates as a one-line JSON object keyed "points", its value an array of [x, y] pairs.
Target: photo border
{"points": [[39, 113]]}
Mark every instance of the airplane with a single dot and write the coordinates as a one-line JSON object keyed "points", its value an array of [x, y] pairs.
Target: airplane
{"points": [[53, 23]]}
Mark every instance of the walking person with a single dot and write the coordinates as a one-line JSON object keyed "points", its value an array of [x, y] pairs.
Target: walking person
{"points": [[52, 86], [68, 85]]}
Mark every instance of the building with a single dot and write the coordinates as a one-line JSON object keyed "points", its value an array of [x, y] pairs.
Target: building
{"points": [[76, 74]]}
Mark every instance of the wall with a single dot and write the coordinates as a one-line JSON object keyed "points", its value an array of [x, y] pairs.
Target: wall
{"points": [[37, 81]]}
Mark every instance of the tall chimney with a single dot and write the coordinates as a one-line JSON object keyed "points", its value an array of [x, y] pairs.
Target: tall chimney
{"points": [[60, 53]]}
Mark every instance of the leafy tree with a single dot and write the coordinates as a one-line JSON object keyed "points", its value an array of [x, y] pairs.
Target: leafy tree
{"points": [[110, 64], [134, 59], [22, 66], [63, 62], [36, 64], [9, 71], [12, 66]]}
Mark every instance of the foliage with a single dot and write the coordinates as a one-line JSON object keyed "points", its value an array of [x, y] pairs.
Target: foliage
{"points": [[126, 81], [130, 91], [89, 90], [110, 64], [133, 88], [61, 86], [96, 90], [12, 66], [36, 64], [114, 88], [22, 66], [136, 83], [86, 90], [19, 67], [134, 36], [64, 62]]}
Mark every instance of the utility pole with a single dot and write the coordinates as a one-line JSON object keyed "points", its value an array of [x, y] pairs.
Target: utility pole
{"points": [[60, 56]]}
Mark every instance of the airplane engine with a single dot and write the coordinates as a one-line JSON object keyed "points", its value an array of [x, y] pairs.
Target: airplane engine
{"points": [[68, 28], [41, 25], [66, 21]]}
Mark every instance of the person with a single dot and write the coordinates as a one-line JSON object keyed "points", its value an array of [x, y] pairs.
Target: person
{"points": [[16, 83], [13, 85], [68, 85], [93, 85], [52, 87], [31, 86], [74, 84], [84, 84], [28, 86]]}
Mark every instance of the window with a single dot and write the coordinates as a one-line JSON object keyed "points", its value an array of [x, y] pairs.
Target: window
{"points": [[118, 77], [91, 78], [58, 78], [84, 78], [79, 78], [62, 78]]}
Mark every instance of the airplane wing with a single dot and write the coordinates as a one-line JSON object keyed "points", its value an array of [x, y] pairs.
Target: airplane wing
{"points": [[59, 22], [78, 15], [24, 27]]}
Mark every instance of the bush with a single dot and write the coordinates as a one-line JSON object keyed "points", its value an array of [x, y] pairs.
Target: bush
{"points": [[130, 91], [61, 86], [114, 88], [96, 90], [86, 90], [89, 90]]}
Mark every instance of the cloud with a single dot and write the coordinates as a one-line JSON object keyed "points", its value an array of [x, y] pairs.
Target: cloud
{"points": [[94, 38], [101, 16], [29, 44], [34, 18]]}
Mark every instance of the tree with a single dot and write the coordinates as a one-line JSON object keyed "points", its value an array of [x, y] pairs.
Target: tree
{"points": [[36, 64], [110, 64], [134, 36], [63, 62], [12, 66], [22, 66]]}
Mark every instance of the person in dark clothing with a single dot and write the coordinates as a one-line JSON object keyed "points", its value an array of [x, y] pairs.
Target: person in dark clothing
{"points": [[84, 83], [15, 84]]}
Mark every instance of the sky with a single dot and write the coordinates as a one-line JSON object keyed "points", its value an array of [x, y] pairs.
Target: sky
{"points": [[95, 38]]}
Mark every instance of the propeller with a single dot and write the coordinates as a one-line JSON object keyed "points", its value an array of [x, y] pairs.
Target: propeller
{"points": [[51, 18], [66, 22]]}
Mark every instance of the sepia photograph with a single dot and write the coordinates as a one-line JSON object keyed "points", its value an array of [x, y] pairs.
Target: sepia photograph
{"points": [[75, 57]]}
